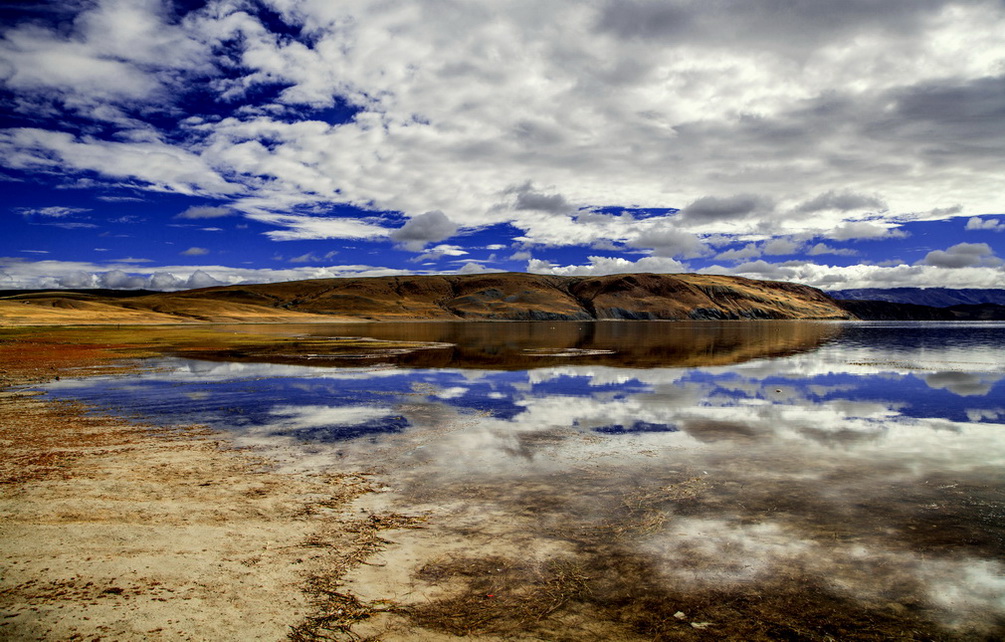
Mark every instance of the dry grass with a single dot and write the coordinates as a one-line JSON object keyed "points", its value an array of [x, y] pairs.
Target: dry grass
{"points": [[498, 595], [345, 544]]}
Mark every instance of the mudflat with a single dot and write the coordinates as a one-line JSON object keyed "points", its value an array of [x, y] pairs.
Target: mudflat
{"points": [[115, 529]]}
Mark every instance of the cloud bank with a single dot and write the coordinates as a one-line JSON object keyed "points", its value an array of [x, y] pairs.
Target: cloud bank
{"points": [[759, 120]]}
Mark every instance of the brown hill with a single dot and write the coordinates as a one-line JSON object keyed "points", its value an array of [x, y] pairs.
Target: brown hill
{"points": [[509, 296]]}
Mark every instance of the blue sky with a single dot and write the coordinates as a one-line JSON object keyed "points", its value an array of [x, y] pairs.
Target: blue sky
{"points": [[183, 144]]}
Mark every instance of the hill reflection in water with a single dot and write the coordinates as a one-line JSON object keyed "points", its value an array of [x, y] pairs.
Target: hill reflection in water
{"points": [[526, 345], [771, 480]]}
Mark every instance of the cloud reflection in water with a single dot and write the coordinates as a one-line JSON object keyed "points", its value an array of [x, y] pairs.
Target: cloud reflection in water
{"points": [[876, 473]]}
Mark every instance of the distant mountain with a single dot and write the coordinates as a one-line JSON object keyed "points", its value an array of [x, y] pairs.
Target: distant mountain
{"points": [[933, 297], [507, 296]]}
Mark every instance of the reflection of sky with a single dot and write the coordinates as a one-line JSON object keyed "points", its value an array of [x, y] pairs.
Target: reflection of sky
{"points": [[604, 399], [850, 434]]}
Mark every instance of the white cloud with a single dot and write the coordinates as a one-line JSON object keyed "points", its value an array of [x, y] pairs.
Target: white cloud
{"points": [[715, 209], [600, 265], [195, 251], [863, 230], [55, 211], [117, 279], [781, 246], [439, 251], [748, 251], [309, 257], [831, 277], [883, 110], [529, 199], [472, 267], [424, 228], [300, 227], [985, 224], [963, 255], [200, 279], [205, 211], [160, 166], [18, 274], [663, 239], [843, 201], [306, 417], [823, 248], [165, 281]]}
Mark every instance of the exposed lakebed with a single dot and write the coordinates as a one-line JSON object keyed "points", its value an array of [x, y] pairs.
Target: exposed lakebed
{"points": [[777, 480]]}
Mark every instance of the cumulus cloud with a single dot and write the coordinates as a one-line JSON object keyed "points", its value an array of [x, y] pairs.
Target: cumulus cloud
{"points": [[157, 165], [472, 267], [780, 246], [113, 54], [761, 24], [843, 201], [600, 265], [119, 280], [748, 251], [205, 211], [424, 228], [749, 115], [823, 248], [438, 252], [863, 230], [200, 279], [834, 277], [17, 273], [964, 384], [773, 247], [529, 199], [985, 224], [165, 281], [715, 209], [963, 255], [54, 211], [667, 241], [195, 251]]}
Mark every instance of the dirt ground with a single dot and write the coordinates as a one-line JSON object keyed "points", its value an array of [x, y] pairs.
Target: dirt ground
{"points": [[115, 530]]}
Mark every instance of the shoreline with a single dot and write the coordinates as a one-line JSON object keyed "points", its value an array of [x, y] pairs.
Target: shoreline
{"points": [[115, 529]]}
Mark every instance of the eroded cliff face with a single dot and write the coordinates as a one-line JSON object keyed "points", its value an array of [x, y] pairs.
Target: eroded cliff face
{"points": [[508, 296]]}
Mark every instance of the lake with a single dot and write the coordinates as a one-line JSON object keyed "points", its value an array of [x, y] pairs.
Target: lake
{"points": [[644, 480]]}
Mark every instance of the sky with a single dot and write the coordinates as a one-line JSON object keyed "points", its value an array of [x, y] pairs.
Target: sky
{"points": [[170, 145]]}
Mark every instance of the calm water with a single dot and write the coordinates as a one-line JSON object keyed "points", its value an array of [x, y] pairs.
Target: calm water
{"points": [[773, 480]]}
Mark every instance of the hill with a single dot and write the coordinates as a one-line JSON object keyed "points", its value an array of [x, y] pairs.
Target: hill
{"points": [[508, 296], [932, 297]]}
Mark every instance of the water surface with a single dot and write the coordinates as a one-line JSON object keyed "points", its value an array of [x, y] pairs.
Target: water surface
{"points": [[761, 480]]}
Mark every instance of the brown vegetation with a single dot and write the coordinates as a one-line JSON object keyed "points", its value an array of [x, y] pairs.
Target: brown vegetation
{"points": [[508, 296]]}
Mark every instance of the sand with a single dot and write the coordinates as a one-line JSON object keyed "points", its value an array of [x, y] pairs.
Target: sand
{"points": [[112, 529]]}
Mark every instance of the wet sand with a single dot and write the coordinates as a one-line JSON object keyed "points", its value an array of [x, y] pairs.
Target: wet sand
{"points": [[113, 529]]}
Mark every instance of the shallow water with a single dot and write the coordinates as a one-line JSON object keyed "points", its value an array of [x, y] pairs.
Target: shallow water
{"points": [[759, 480]]}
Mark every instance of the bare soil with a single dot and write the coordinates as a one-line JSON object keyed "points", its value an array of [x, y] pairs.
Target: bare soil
{"points": [[113, 529]]}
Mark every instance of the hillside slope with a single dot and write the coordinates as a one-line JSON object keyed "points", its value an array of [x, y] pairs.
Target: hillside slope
{"points": [[509, 296], [933, 297]]}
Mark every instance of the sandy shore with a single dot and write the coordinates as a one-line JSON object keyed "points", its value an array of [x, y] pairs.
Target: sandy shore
{"points": [[112, 529]]}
